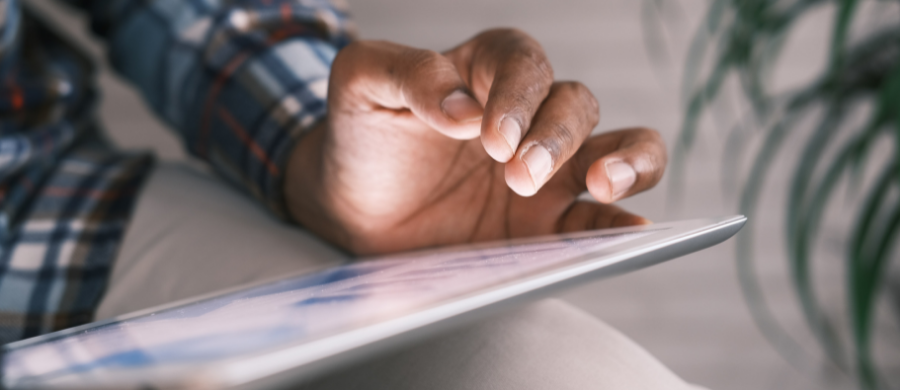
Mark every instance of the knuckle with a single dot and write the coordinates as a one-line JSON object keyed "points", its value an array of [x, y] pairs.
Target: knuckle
{"points": [[535, 59], [343, 59], [344, 70], [346, 64], [354, 50], [519, 49], [649, 134], [422, 58], [590, 99], [655, 154], [521, 100], [639, 134], [563, 138], [504, 33], [578, 92], [424, 63]]}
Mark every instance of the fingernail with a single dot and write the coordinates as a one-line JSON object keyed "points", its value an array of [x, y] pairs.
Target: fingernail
{"points": [[461, 107], [621, 177], [511, 131], [539, 163]]}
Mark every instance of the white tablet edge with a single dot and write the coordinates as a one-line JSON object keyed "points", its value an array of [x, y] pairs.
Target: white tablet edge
{"points": [[306, 359]]}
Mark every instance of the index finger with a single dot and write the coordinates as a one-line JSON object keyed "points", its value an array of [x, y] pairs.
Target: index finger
{"points": [[510, 74]]}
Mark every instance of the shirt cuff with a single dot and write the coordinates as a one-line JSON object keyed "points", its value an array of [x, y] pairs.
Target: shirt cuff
{"points": [[249, 123]]}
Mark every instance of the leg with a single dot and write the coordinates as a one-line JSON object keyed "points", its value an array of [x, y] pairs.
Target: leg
{"points": [[546, 345], [193, 235]]}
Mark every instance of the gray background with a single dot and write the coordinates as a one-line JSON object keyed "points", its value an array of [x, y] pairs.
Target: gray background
{"points": [[689, 312]]}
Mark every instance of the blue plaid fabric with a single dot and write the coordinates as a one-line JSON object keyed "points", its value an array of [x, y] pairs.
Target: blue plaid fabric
{"points": [[239, 81]]}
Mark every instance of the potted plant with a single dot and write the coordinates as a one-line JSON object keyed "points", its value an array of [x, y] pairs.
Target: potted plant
{"points": [[739, 42]]}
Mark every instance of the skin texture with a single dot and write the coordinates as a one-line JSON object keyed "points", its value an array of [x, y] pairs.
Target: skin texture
{"points": [[412, 153]]}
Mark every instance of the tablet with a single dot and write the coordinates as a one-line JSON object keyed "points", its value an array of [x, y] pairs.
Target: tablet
{"points": [[286, 331]]}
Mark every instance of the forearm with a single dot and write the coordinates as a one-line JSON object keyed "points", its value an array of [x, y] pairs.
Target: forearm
{"points": [[239, 83]]}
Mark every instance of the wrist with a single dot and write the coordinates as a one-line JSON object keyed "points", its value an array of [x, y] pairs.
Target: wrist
{"points": [[305, 198]]}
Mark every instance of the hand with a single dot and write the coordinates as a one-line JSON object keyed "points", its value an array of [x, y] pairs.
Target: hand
{"points": [[423, 149]]}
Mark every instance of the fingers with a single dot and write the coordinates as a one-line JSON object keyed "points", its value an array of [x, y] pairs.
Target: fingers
{"points": [[509, 71], [564, 120], [377, 75], [618, 164], [589, 215]]}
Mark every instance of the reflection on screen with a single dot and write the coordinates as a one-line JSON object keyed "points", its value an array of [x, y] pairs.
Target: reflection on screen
{"points": [[291, 311]]}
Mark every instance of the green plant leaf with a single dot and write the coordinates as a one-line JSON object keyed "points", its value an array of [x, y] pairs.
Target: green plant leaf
{"points": [[872, 245], [870, 233], [843, 18], [744, 38], [754, 297], [801, 233]]}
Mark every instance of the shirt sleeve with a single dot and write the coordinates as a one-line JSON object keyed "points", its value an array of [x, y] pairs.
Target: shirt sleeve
{"points": [[240, 81]]}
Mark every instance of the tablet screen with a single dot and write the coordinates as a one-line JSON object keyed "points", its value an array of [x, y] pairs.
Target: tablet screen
{"points": [[293, 311]]}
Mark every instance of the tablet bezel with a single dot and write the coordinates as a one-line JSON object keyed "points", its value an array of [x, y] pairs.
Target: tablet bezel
{"points": [[305, 359]]}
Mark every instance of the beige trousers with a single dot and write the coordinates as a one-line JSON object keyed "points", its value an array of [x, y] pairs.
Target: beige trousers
{"points": [[192, 234]]}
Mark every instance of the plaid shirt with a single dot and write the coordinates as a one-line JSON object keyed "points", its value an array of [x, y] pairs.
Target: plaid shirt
{"points": [[238, 80]]}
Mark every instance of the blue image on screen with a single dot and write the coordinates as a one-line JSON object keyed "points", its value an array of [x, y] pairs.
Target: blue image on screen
{"points": [[292, 311]]}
